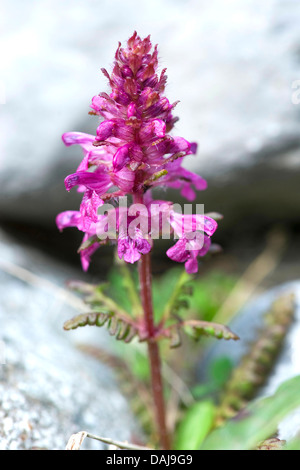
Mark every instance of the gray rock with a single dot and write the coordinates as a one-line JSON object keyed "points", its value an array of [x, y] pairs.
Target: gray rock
{"points": [[48, 388], [232, 65], [246, 325]]}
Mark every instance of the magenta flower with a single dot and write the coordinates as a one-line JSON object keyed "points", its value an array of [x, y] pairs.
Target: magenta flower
{"points": [[181, 254], [131, 248], [132, 153]]}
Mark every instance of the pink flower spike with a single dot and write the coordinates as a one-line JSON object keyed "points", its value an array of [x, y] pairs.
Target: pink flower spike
{"points": [[131, 154]]}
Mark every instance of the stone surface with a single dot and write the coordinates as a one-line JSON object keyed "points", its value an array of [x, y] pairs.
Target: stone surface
{"points": [[232, 65], [48, 388], [246, 324]]}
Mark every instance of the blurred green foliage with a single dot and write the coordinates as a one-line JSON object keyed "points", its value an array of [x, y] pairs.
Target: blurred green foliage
{"points": [[258, 421], [176, 296], [199, 298], [206, 295], [218, 375], [195, 426]]}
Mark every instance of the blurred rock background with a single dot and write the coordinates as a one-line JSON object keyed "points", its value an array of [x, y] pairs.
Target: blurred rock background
{"points": [[231, 64]]}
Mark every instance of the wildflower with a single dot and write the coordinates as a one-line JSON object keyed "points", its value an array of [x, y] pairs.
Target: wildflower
{"points": [[132, 153]]}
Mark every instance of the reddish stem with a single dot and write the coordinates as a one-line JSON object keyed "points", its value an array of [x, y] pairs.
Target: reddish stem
{"points": [[153, 349]]}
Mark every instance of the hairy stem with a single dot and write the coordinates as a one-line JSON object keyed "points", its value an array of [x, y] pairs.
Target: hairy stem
{"points": [[153, 349]]}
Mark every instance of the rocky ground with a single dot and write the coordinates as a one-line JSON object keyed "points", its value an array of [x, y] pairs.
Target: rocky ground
{"points": [[49, 389]]}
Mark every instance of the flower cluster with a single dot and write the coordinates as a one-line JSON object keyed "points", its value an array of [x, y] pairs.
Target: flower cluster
{"points": [[131, 154]]}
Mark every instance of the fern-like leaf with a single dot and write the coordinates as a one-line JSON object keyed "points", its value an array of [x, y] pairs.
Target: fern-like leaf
{"points": [[118, 327], [196, 329]]}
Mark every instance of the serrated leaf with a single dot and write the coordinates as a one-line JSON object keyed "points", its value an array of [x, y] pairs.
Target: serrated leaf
{"points": [[116, 326], [84, 319], [197, 328], [113, 326], [131, 334], [123, 331], [101, 319]]}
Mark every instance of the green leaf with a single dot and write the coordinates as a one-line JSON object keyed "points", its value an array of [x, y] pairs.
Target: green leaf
{"points": [[118, 290], [210, 292], [220, 370], [93, 318], [117, 326], [124, 288], [219, 373], [257, 422], [201, 391], [196, 424], [196, 329], [169, 291], [293, 445], [140, 365]]}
